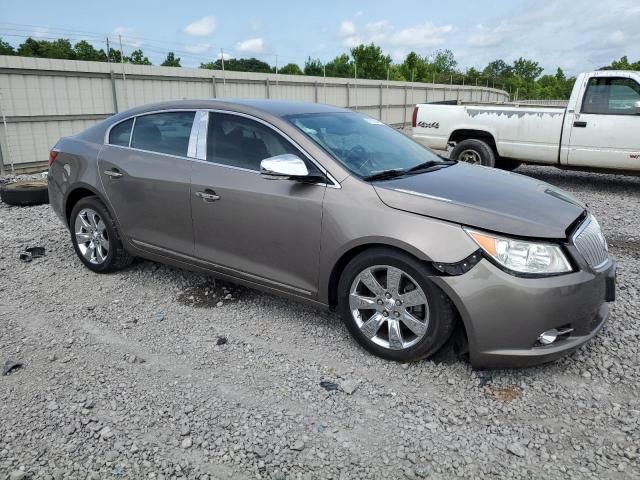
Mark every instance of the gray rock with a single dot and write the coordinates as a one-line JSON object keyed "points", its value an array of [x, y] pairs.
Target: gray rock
{"points": [[187, 442], [349, 386], [516, 449]]}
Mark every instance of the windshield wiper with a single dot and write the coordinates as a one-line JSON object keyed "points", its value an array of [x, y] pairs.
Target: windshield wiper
{"points": [[386, 175], [429, 164]]}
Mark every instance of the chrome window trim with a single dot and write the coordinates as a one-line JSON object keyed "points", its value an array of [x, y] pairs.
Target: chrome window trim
{"points": [[201, 144], [167, 110], [202, 120], [133, 125]]}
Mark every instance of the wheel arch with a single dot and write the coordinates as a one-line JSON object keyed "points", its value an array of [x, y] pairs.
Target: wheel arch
{"points": [[340, 264], [77, 193], [468, 134]]}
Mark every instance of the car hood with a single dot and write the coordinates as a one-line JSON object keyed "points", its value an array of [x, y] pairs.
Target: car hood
{"points": [[485, 198]]}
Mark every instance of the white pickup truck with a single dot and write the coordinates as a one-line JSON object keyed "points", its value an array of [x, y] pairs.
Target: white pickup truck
{"points": [[598, 130]]}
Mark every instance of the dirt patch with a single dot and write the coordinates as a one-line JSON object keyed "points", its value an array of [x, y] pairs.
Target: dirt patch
{"points": [[210, 294], [504, 394]]}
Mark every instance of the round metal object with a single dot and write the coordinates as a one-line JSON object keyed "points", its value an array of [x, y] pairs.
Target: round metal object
{"points": [[401, 319], [91, 236], [470, 156]]}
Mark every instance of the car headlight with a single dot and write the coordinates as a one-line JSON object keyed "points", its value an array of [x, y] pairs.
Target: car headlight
{"points": [[520, 256]]}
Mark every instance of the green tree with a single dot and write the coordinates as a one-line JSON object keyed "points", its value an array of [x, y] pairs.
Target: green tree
{"points": [[138, 58], [313, 67], [60, 48], [370, 62], [171, 60], [239, 65], [527, 70], [6, 48], [623, 64], [85, 51], [413, 67], [341, 66], [114, 55], [291, 69]]}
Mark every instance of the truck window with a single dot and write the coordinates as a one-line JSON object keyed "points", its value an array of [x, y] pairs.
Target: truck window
{"points": [[611, 96]]}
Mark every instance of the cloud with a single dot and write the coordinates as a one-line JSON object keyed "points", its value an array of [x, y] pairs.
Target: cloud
{"points": [[420, 36], [382, 32], [198, 48], [555, 33], [347, 28], [251, 45], [202, 27], [226, 56]]}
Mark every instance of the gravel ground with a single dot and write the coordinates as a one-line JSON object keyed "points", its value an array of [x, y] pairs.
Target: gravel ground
{"points": [[155, 372]]}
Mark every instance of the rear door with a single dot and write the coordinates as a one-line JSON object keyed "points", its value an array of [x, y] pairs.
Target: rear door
{"points": [[259, 229], [146, 174], [605, 132]]}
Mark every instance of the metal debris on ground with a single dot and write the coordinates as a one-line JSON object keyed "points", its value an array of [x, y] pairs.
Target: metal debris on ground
{"points": [[329, 386], [10, 366]]}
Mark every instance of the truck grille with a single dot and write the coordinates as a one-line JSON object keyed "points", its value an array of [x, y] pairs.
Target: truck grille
{"points": [[590, 242]]}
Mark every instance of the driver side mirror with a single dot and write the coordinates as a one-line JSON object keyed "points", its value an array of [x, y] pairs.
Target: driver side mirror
{"points": [[287, 167], [636, 108]]}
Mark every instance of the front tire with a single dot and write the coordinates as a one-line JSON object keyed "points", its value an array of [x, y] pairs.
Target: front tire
{"points": [[392, 308], [474, 151], [95, 237]]}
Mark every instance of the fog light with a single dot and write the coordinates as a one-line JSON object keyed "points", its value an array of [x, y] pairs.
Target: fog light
{"points": [[550, 336]]}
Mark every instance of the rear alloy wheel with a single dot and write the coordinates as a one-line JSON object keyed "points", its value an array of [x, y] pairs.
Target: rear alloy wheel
{"points": [[474, 151], [95, 237], [392, 308]]}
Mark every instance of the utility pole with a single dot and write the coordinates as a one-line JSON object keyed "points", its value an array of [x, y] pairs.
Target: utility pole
{"points": [[355, 77], [276, 69], [108, 51], [224, 77], [124, 78]]}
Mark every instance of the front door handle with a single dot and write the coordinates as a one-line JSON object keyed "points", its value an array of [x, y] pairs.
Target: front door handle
{"points": [[208, 196], [113, 173], [579, 124]]}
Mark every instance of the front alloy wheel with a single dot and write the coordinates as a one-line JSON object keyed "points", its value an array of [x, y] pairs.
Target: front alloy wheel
{"points": [[392, 307], [389, 307]]}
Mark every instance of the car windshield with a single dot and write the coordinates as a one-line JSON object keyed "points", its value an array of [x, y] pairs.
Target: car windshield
{"points": [[365, 146]]}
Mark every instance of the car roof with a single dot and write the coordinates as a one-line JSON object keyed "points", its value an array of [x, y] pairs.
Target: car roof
{"points": [[277, 108]]}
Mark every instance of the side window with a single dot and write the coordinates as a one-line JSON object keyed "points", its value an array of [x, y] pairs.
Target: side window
{"points": [[121, 133], [241, 142], [611, 96], [167, 132]]}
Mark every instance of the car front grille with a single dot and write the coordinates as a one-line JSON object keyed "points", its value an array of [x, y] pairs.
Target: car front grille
{"points": [[590, 242]]}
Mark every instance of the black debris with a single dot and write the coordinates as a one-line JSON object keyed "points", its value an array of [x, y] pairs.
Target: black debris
{"points": [[221, 340], [329, 386], [36, 252]]}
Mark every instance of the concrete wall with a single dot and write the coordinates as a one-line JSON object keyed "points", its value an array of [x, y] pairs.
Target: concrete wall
{"points": [[45, 99]]}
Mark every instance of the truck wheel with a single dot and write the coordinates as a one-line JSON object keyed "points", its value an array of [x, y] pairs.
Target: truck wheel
{"points": [[474, 151]]}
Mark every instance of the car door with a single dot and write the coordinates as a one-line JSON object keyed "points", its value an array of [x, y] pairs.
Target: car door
{"points": [[146, 175], [260, 229], [605, 132]]}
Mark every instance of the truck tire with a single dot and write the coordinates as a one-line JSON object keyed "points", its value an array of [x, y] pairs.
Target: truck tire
{"points": [[25, 193], [507, 164], [474, 151]]}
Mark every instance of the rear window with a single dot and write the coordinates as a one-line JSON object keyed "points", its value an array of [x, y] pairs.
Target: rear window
{"points": [[166, 132], [121, 133]]}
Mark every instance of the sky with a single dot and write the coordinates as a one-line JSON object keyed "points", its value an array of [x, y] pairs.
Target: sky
{"points": [[576, 35]]}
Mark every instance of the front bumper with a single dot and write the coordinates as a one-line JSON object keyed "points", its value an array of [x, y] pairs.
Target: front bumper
{"points": [[504, 314]]}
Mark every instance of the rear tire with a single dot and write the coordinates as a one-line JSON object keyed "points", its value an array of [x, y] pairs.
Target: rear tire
{"points": [[95, 237], [25, 193], [474, 151], [375, 318]]}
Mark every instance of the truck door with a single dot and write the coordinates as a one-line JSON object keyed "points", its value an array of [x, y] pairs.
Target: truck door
{"points": [[605, 131]]}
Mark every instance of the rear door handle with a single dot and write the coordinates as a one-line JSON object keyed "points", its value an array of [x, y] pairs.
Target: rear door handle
{"points": [[579, 124], [113, 173], [208, 196]]}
